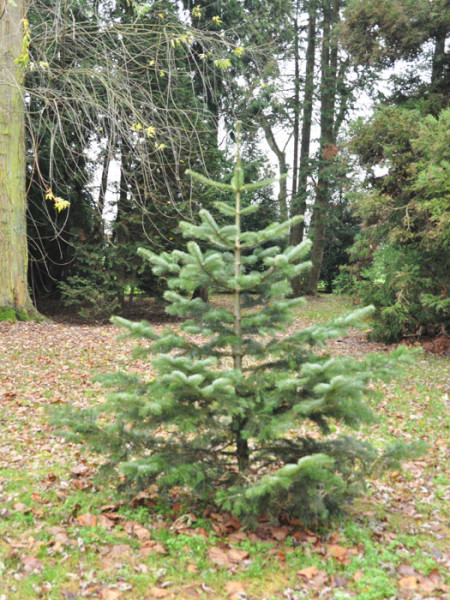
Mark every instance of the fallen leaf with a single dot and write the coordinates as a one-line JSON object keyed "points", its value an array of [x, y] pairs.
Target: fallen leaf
{"points": [[435, 576], [233, 523], [104, 521], [200, 531], [335, 537], [216, 516], [109, 594], [219, 528], [118, 551], [406, 571], [237, 536], [87, 520], [157, 592], [308, 572], [129, 526], [113, 516], [191, 568], [218, 557], [235, 590], [234, 587], [145, 498], [279, 533], [304, 536], [61, 539], [254, 538], [79, 470], [408, 583], [152, 547], [427, 585], [237, 556], [337, 551], [22, 508], [319, 581], [358, 575], [31, 564], [142, 533]]}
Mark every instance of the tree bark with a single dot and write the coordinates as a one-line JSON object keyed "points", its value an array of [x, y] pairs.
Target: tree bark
{"points": [[100, 224], [14, 293], [329, 58], [282, 165], [296, 103], [121, 233], [439, 56], [299, 197]]}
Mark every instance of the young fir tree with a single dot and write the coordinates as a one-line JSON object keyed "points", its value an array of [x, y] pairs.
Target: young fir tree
{"points": [[238, 411]]}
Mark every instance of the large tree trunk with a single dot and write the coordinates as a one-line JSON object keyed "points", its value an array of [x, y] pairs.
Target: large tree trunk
{"points": [[14, 293], [296, 103], [327, 140], [440, 57], [300, 190]]}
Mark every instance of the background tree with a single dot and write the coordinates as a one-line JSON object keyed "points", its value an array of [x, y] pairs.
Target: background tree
{"points": [[314, 41], [302, 163], [402, 251], [113, 85], [381, 33], [141, 89], [14, 295], [401, 254]]}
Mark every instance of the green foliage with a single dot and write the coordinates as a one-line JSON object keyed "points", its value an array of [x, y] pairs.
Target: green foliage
{"points": [[93, 289], [345, 283], [239, 411], [341, 230], [401, 258], [402, 292], [379, 32]]}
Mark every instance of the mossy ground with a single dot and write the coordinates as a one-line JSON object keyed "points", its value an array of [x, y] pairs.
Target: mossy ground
{"points": [[11, 315], [7, 314]]}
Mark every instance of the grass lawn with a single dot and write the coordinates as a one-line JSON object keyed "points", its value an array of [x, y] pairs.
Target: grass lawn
{"points": [[64, 536]]}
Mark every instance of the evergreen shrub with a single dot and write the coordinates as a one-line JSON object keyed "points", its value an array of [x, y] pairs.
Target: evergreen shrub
{"points": [[401, 256], [237, 410], [93, 289], [406, 296]]}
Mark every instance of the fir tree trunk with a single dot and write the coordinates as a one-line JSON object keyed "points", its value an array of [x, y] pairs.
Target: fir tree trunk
{"points": [[237, 346], [242, 449], [14, 293]]}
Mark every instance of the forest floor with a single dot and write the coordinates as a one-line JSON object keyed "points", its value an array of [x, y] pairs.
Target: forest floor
{"points": [[62, 536]]}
